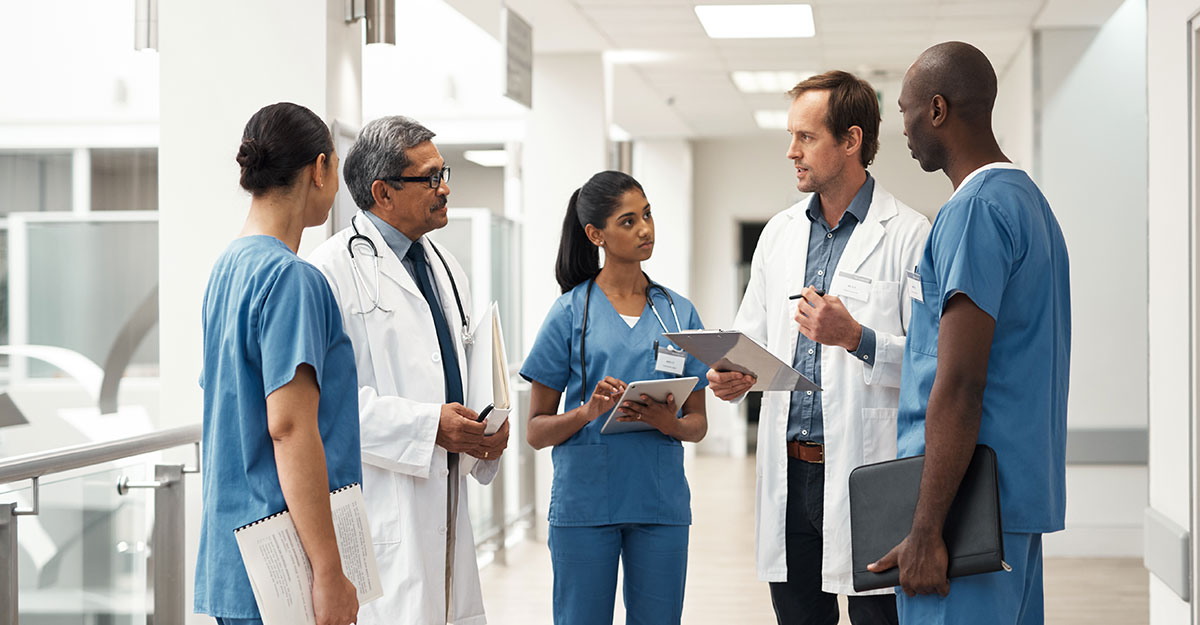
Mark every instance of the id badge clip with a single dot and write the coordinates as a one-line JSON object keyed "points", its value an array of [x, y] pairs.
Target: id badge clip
{"points": [[668, 360]]}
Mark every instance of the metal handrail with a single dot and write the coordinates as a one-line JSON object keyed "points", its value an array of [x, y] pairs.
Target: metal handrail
{"points": [[30, 466]]}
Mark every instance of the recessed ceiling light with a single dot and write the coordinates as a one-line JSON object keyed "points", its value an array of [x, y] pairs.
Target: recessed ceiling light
{"points": [[487, 158], [617, 133], [756, 21], [771, 120], [767, 82]]}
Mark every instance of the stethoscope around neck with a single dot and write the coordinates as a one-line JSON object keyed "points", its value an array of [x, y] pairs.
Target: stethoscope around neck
{"points": [[360, 284], [587, 304]]}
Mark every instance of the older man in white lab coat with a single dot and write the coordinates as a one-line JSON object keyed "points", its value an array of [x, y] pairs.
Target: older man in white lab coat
{"points": [[846, 252], [404, 302]]}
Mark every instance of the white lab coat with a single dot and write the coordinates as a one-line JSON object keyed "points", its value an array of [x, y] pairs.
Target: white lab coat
{"points": [[401, 392], [859, 401]]}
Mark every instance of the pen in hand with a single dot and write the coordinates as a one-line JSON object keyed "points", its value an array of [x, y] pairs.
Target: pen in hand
{"points": [[820, 293]]}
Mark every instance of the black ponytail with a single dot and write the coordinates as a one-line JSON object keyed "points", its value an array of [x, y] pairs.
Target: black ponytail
{"points": [[593, 203]]}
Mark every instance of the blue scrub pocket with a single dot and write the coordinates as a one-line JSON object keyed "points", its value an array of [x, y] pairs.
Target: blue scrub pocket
{"points": [[923, 326], [579, 491], [674, 496]]}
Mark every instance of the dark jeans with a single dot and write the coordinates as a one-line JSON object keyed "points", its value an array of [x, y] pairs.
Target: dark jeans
{"points": [[800, 600]]}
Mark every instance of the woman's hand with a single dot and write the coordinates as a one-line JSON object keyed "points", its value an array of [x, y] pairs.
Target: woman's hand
{"points": [[660, 415], [606, 394]]}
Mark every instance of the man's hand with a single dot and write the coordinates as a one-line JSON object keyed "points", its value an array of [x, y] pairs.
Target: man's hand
{"points": [[458, 430], [923, 562], [335, 601], [492, 446], [824, 319], [729, 385]]}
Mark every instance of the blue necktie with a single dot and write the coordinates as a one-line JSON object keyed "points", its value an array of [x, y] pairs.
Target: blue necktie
{"points": [[454, 390]]}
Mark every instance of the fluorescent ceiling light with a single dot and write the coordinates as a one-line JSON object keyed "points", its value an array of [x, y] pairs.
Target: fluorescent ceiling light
{"points": [[487, 158], [771, 120], [768, 82], [617, 133], [756, 21]]}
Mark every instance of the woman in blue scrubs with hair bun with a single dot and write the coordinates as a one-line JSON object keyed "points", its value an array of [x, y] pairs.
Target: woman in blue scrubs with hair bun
{"points": [[614, 496]]}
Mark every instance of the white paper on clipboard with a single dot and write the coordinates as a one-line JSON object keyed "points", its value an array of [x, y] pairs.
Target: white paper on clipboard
{"points": [[730, 350]]}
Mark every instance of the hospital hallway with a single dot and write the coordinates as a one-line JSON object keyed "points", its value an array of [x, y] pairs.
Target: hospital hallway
{"points": [[723, 588]]}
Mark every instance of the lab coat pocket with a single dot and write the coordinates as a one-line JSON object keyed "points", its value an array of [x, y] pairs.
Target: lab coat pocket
{"points": [[674, 496], [381, 491], [879, 434], [579, 492], [883, 313]]}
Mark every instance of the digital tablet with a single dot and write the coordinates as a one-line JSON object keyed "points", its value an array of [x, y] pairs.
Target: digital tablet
{"points": [[655, 389]]}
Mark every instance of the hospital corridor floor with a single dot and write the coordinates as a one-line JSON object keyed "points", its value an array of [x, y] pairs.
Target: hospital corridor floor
{"points": [[722, 587]]}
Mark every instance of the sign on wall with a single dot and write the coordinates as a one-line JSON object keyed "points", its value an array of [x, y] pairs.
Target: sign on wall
{"points": [[518, 57]]}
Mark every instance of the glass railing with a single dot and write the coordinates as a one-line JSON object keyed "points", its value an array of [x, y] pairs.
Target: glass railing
{"points": [[84, 557], [94, 533]]}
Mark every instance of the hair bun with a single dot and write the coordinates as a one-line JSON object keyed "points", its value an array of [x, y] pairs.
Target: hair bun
{"points": [[250, 154]]}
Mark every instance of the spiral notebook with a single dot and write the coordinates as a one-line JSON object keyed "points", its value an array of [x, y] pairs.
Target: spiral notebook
{"points": [[280, 574]]}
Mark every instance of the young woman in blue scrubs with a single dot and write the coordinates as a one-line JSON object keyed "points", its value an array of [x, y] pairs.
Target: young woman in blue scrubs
{"points": [[614, 496], [280, 386]]}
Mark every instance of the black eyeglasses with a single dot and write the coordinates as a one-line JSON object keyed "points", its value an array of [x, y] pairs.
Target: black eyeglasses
{"points": [[434, 180]]}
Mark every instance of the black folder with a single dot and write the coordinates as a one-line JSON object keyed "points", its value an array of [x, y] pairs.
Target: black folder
{"points": [[883, 498]]}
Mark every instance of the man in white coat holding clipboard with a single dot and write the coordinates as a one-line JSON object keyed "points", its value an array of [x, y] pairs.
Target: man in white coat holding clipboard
{"points": [[845, 252], [405, 303]]}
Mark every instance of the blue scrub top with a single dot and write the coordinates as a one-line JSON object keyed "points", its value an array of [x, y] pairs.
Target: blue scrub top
{"points": [[603, 479], [266, 311], [998, 242]]}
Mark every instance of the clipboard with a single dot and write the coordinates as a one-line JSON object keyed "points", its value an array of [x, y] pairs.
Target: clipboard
{"points": [[730, 350], [656, 390]]}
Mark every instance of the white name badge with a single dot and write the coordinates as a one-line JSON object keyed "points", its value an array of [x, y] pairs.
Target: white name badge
{"points": [[852, 285], [914, 286], [670, 361]]}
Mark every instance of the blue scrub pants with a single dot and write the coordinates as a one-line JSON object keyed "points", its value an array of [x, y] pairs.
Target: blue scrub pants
{"points": [[1001, 598], [239, 621], [585, 573]]}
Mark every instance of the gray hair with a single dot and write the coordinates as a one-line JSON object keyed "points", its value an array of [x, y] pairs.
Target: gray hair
{"points": [[380, 152]]}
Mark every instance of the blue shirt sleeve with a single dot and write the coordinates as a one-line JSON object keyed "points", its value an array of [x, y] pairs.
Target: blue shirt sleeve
{"points": [[973, 254], [693, 366], [294, 324], [866, 347], [548, 363]]}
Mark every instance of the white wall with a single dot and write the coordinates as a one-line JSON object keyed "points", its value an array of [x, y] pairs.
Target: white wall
{"points": [[78, 78], [1012, 118], [1077, 73], [664, 167], [1170, 376]]}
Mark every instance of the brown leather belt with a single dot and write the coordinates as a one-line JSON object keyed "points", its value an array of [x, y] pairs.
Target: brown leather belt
{"points": [[808, 452]]}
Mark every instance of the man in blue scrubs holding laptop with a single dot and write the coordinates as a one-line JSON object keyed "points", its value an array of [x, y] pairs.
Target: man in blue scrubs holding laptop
{"points": [[988, 349]]}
